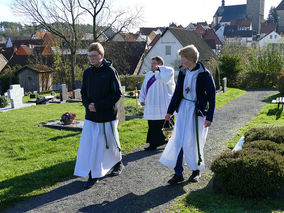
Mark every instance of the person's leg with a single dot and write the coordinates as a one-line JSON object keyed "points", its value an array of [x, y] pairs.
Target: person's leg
{"points": [[151, 135], [117, 169], [178, 177], [91, 181]]}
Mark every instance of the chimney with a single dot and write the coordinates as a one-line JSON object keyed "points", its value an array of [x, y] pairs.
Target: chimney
{"points": [[223, 3]]}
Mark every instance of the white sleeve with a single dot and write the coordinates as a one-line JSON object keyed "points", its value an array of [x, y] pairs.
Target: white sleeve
{"points": [[166, 74], [142, 94]]}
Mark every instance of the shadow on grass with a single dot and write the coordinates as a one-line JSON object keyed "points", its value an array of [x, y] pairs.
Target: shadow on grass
{"points": [[64, 136], [275, 112], [18, 188], [138, 203], [206, 200]]}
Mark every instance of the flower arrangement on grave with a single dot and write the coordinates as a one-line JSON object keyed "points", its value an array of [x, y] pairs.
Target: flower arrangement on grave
{"points": [[3, 101], [68, 118]]}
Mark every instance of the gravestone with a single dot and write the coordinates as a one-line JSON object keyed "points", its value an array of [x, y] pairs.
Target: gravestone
{"points": [[77, 94], [16, 94], [224, 84], [63, 93], [78, 84], [121, 110]]}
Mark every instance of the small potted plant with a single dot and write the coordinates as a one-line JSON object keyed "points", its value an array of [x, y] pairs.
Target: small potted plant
{"points": [[67, 118]]}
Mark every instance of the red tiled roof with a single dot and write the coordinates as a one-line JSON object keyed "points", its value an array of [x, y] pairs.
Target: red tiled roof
{"points": [[241, 22], [267, 27]]}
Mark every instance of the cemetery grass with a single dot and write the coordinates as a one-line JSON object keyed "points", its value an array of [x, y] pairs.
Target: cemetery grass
{"points": [[269, 115], [34, 158]]}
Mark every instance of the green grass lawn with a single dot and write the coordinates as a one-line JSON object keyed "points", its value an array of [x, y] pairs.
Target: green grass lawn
{"points": [[34, 158], [269, 115]]}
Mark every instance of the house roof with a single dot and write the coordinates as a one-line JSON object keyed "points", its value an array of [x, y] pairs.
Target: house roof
{"points": [[27, 42], [280, 6], [36, 68], [267, 27], [241, 22], [187, 37], [232, 31], [153, 42], [229, 13]]}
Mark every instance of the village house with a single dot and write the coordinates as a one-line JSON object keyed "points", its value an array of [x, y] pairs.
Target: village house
{"points": [[170, 42], [273, 39], [280, 13]]}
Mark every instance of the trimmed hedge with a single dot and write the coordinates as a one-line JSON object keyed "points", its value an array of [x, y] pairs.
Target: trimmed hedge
{"points": [[273, 133], [249, 173], [132, 81], [3, 101], [265, 145], [280, 84]]}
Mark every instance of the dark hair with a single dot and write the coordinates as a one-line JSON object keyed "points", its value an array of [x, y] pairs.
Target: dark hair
{"points": [[158, 59]]}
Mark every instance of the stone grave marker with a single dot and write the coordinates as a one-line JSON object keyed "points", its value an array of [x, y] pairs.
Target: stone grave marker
{"points": [[77, 94], [63, 93], [224, 84], [16, 94], [121, 110]]}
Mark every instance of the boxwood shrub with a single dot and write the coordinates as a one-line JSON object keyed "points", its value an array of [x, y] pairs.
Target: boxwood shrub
{"points": [[3, 101], [250, 173], [273, 133], [265, 145]]}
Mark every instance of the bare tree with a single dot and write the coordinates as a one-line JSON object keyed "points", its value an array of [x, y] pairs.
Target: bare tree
{"points": [[103, 15], [60, 17]]}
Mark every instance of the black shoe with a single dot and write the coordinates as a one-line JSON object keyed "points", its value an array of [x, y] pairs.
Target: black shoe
{"points": [[175, 179], [194, 176], [90, 182], [150, 148], [117, 169]]}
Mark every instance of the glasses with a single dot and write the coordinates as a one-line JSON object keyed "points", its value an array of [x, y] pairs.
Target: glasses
{"points": [[93, 56]]}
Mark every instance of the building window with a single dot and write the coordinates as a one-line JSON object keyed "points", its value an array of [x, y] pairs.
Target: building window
{"points": [[275, 36], [168, 50], [270, 36]]}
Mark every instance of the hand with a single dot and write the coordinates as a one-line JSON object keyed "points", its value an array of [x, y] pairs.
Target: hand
{"points": [[207, 123], [168, 117], [91, 107], [142, 103]]}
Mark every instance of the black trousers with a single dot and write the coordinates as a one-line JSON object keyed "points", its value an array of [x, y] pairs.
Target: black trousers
{"points": [[155, 136]]}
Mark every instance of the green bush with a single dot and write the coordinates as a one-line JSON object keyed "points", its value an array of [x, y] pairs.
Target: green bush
{"points": [[33, 95], [273, 133], [265, 145], [280, 84], [249, 173], [255, 80], [230, 67], [131, 81], [3, 101]]}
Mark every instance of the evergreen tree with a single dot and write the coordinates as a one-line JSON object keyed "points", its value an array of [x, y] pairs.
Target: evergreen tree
{"points": [[273, 16]]}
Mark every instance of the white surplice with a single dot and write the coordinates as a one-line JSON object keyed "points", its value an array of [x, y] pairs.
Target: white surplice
{"points": [[159, 94], [184, 135], [92, 153]]}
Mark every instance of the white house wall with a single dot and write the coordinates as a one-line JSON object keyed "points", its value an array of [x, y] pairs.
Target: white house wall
{"points": [[271, 38], [159, 49]]}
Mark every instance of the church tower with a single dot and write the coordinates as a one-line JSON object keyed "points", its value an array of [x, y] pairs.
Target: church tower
{"points": [[255, 12]]}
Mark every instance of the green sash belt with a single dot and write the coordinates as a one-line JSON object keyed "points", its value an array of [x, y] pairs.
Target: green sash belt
{"points": [[107, 147], [197, 133]]}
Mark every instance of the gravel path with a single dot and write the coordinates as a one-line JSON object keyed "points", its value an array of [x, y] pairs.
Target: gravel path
{"points": [[143, 185]]}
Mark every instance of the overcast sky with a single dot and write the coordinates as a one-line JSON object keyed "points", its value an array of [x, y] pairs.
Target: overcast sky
{"points": [[158, 12]]}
